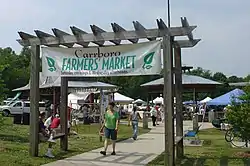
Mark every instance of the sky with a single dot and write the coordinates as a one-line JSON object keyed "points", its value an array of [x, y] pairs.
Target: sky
{"points": [[223, 25]]}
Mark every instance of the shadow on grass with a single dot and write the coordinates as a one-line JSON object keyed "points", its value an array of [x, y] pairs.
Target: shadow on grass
{"points": [[14, 138], [62, 154], [222, 161]]}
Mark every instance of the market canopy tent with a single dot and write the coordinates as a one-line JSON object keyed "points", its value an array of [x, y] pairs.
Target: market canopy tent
{"points": [[74, 97], [189, 102], [139, 101], [189, 82], [55, 81], [227, 98], [158, 100], [121, 99], [207, 99]]}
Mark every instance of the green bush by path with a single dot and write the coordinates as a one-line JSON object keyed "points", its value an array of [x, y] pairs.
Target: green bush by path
{"points": [[14, 143], [215, 151]]}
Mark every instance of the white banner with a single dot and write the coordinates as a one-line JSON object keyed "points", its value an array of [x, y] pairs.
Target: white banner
{"points": [[123, 60]]}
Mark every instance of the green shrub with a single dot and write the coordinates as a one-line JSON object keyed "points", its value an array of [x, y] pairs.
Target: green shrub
{"points": [[238, 115]]}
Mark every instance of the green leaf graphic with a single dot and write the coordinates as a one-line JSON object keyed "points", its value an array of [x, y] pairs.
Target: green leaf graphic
{"points": [[148, 67], [148, 59], [51, 69], [51, 64]]}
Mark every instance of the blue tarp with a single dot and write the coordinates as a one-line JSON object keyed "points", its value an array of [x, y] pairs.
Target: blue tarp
{"points": [[227, 98], [190, 102]]}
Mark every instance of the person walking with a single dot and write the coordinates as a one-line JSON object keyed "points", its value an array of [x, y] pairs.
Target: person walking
{"points": [[153, 115], [110, 127], [134, 118]]}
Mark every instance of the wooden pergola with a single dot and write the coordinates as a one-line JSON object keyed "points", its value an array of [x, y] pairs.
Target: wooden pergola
{"points": [[99, 37]]}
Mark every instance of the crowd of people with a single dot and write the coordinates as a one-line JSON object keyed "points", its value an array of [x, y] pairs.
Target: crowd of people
{"points": [[109, 129]]}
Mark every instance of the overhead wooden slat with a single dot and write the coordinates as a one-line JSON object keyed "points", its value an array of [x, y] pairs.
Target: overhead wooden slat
{"points": [[42, 37], [107, 36], [117, 28], [59, 33], [42, 34], [78, 32], [186, 43], [25, 36], [139, 27], [161, 24], [185, 23], [98, 31]]}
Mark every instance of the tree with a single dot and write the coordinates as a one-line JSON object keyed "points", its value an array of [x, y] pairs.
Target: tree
{"points": [[247, 78], [220, 77], [2, 85], [232, 79], [201, 72], [239, 115], [15, 69]]}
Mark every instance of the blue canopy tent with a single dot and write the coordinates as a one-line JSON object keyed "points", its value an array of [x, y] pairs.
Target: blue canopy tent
{"points": [[227, 98], [190, 102]]}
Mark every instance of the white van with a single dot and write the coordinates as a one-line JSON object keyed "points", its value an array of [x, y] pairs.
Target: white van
{"points": [[19, 107]]}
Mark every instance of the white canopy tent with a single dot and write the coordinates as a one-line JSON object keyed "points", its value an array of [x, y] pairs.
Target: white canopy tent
{"points": [[119, 98], [158, 100], [74, 97], [139, 101], [205, 100]]}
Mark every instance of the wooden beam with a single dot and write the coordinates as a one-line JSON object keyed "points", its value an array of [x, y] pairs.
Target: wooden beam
{"points": [[178, 95], [185, 23], [42, 38], [140, 28], [98, 32], [117, 29], [34, 100], [25, 36], [168, 101], [186, 43], [107, 36], [77, 33], [64, 113], [59, 34]]}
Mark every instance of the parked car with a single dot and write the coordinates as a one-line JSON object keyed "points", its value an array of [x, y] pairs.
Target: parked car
{"points": [[19, 107]]}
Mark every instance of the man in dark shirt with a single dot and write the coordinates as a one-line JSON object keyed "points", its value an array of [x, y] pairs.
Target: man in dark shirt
{"points": [[44, 135]]}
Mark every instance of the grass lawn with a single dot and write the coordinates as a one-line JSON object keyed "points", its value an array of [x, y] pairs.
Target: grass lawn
{"points": [[14, 143], [214, 152]]}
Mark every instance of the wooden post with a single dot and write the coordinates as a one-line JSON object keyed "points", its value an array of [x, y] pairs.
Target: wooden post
{"points": [[34, 100], [178, 95], [195, 115], [54, 101], [64, 113], [102, 110], [168, 101]]}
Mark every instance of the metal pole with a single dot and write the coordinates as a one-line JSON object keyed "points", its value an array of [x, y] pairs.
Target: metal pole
{"points": [[168, 11], [168, 101]]}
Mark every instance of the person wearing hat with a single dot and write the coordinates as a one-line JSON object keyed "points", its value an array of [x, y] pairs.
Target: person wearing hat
{"points": [[44, 135], [110, 127]]}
